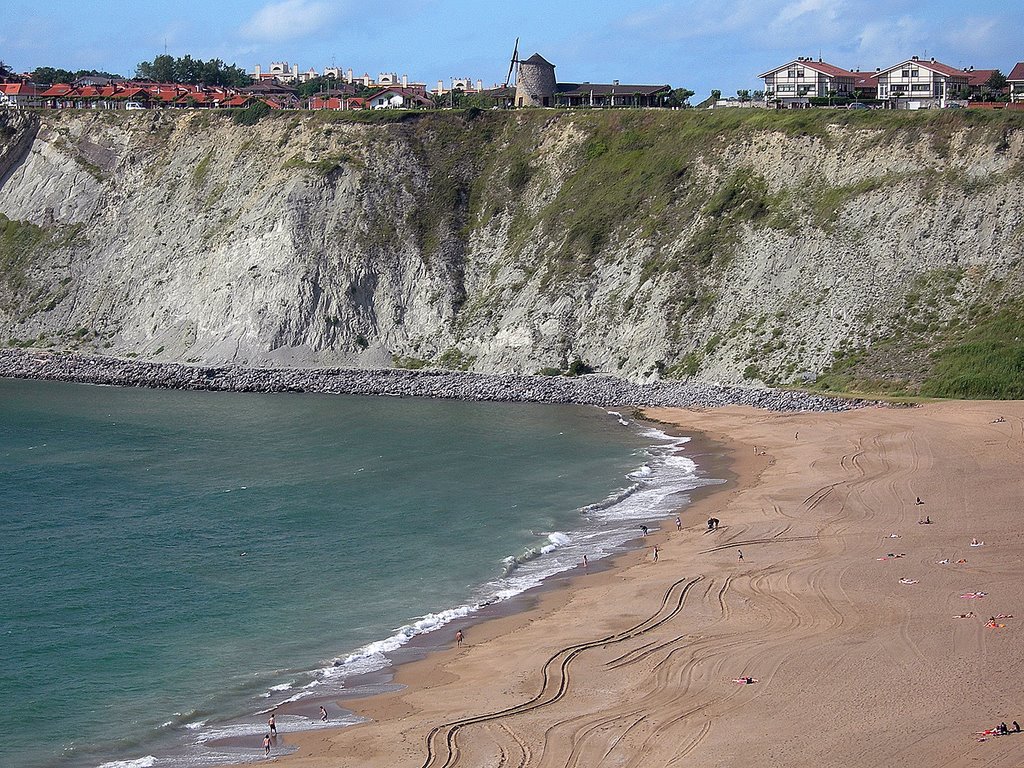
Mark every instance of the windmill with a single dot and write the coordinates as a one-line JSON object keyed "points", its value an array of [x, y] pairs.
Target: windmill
{"points": [[512, 63]]}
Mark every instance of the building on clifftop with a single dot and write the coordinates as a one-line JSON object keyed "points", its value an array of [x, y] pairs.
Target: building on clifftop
{"points": [[535, 82]]}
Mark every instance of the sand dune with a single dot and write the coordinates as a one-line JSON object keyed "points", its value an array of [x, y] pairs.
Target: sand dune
{"points": [[842, 609]]}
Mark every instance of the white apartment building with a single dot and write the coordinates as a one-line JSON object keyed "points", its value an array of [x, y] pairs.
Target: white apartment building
{"points": [[1016, 82], [917, 84], [792, 85]]}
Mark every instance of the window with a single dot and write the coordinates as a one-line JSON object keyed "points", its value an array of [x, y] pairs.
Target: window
{"points": [[786, 88], [915, 73], [905, 73], [917, 87]]}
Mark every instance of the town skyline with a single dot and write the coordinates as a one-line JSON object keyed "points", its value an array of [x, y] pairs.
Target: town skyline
{"points": [[696, 44]]}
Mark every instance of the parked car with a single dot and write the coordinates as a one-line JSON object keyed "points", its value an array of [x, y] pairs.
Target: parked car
{"points": [[857, 105], [133, 105]]}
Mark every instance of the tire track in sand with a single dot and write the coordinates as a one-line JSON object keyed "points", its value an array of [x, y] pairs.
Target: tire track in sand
{"points": [[442, 741]]}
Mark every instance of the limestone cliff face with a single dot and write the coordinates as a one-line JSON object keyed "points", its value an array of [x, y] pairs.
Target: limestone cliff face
{"points": [[725, 247]]}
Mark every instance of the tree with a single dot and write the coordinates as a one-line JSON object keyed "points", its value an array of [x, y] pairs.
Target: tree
{"points": [[679, 97], [5, 71], [167, 69], [996, 81], [758, 95], [716, 94], [49, 76], [743, 95], [313, 87]]}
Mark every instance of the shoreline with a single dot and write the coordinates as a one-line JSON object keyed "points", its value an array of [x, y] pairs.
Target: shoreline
{"points": [[592, 389], [717, 457], [880, 658]]}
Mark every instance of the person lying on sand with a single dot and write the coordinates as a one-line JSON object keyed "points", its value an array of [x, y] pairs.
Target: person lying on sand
{"points": [[994, 625], [895, 536], [908, 581], [961, 561], [968, 615], [976, 543], [943, 562], [927, 521], [745, 680]]}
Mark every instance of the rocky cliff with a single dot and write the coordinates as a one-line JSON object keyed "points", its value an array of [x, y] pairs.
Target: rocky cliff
{"points": [[728, 246]]}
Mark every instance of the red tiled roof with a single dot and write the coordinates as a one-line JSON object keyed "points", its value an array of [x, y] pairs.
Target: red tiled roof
{"points": [[58, 89], [818, 66], [934, 66], [19, 89], [979, 77], [1017, 73]]}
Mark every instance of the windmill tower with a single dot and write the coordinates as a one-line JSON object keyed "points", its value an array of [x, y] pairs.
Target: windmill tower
{"points": [[535, 80]]}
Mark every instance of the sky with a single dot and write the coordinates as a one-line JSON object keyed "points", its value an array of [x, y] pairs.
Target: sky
{"points": [[696, 44]]}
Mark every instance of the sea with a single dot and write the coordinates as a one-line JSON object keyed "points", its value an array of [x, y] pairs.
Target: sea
{"points": [[174, 565]]}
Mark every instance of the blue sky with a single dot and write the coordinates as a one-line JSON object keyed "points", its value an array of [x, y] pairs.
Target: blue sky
{"points": [[698, 44]]}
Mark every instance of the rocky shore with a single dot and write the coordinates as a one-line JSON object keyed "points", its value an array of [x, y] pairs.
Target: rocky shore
{"points": [[456, 385]]}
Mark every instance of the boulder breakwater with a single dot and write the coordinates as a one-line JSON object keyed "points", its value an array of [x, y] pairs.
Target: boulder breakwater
{"points": [[591, 389]]}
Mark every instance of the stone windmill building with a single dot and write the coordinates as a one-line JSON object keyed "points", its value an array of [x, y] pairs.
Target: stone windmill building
{"points": [[535, 82]]}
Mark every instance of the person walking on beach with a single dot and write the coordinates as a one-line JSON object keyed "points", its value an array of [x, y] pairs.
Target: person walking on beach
{"points": [[272, 724], [459, 637], [266, 745], [656, 550], [643, 529], [679, 523], [323, 715], [740, 553]]}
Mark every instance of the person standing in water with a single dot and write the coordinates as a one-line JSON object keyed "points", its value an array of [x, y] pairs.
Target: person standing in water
{"points": [[585, 563], [266, 745], [272, 724], [323, 715]]}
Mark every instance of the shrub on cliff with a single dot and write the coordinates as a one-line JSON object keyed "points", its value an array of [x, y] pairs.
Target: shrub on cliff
{"points": [[252, 114]]}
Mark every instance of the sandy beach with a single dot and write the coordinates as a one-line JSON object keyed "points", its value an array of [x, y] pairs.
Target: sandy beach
{"points": [[865, 631]]}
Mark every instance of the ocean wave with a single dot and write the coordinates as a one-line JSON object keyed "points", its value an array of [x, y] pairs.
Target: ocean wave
{"points": [[141, 762], [657, 489], [616, 498], [192, 720]]}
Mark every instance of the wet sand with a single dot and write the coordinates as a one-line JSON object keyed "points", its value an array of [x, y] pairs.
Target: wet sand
{"points": [[841, 610]]}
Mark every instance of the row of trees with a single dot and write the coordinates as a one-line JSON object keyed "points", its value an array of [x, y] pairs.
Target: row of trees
{"points": [[168, 69], [51, 75]]}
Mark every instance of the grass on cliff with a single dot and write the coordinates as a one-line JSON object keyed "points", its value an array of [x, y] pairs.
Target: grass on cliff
{"points": [[984, 361], [940, 347]]}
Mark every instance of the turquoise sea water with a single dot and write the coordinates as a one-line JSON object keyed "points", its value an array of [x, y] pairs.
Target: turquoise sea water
{"points": [[172, 564]]}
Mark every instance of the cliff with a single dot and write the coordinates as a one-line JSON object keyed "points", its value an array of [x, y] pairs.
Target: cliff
{"points": [[858, 249]]}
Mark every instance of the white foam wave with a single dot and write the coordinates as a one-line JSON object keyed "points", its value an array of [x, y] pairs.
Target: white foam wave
{"points": [[555, 541], [141, 762]]}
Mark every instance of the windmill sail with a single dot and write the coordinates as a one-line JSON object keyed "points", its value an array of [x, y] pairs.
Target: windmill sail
{"points": [[512, 64]]}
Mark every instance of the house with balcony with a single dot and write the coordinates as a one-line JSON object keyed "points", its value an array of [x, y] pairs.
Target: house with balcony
{"points": [[920, 84], [20, 95], [1015, 82], [792, 85]]}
